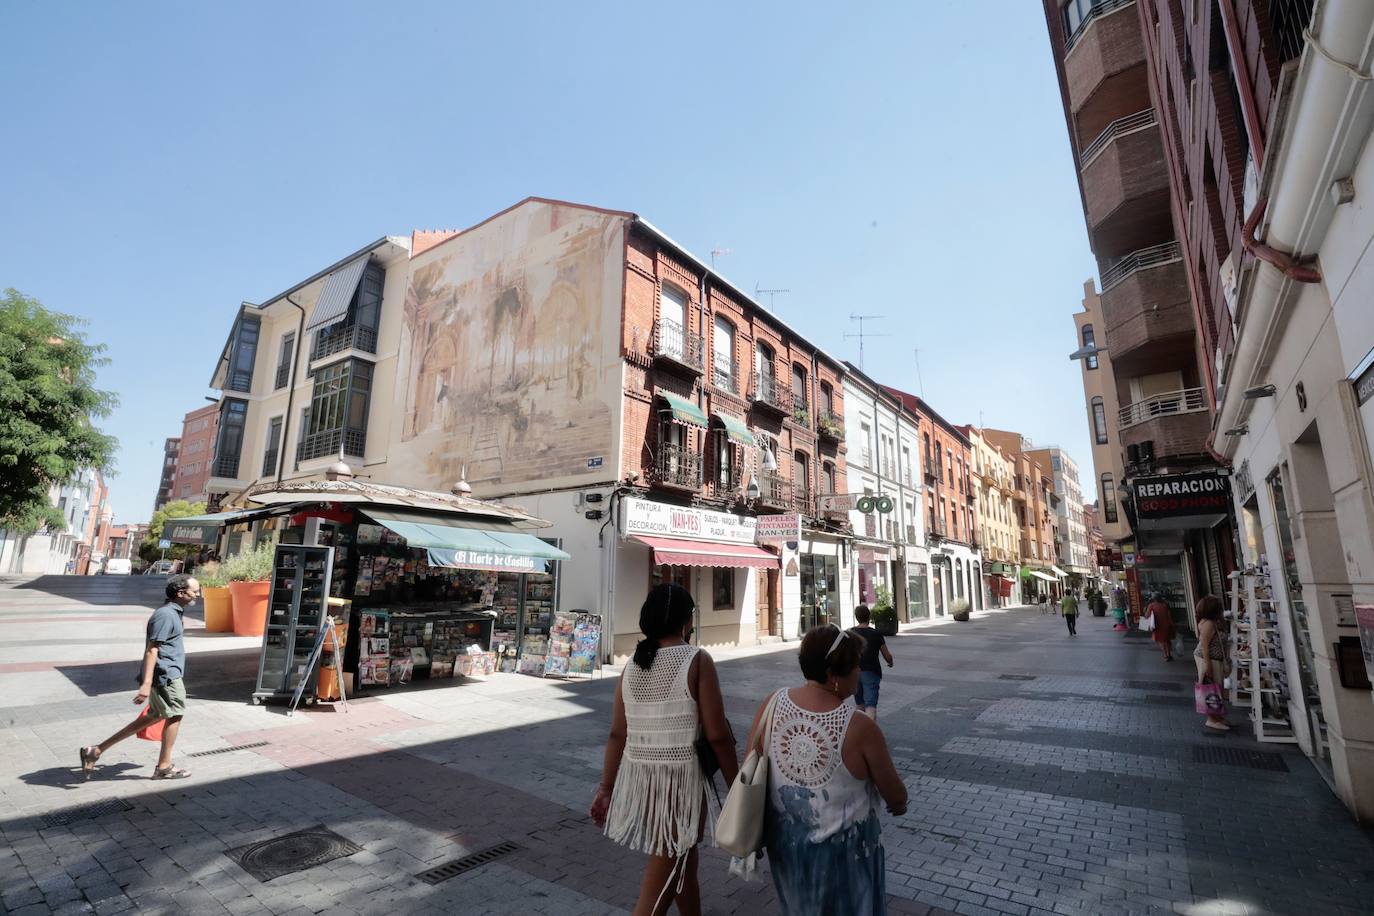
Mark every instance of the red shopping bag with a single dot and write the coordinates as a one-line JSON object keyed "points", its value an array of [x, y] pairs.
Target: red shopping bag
{"points": [[1208, 700], [151, 732]]}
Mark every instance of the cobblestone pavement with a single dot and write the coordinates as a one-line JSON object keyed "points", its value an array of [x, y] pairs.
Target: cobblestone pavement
{"points": [[1048, 774]]}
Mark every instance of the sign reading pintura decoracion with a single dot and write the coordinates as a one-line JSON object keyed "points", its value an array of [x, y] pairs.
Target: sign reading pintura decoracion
{"points": [[1176, 495], [644, 516]]}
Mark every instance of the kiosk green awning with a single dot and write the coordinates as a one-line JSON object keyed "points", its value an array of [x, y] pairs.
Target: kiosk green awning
{"points": [[684, 411], [475, 544], [204, 529], [735, 430]]}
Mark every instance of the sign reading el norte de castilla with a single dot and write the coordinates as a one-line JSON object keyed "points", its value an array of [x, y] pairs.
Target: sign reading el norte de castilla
{"points": [[1174, 495]]}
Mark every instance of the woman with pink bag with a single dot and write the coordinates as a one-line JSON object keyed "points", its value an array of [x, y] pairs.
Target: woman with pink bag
{"points": [[1212, 665]]}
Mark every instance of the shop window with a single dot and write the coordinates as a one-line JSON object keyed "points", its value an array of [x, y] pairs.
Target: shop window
{"points": [[723, 589]]}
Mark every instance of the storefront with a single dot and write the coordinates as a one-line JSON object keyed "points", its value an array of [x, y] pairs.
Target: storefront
{"points": [[1000, 580], [711, 554]]}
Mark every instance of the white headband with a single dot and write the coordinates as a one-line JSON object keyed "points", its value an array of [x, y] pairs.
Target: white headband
{"points": [[836, 644]]}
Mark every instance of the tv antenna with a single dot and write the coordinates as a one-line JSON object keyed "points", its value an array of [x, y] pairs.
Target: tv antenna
{"points": [[771, 294], [719, 251], [862, 333], [922, 385]]}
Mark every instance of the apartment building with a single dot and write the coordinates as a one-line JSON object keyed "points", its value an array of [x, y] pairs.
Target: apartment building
{"points": [[1105, 420], [171, 449], [83, 502], [194, 453], [999, 533], [579, 361], [890, 546], [946, 459], [1071, 530], [1035, 503]]}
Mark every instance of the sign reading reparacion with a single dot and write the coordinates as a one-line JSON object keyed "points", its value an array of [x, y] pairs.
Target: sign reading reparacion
{"points": [[1177, 495]]}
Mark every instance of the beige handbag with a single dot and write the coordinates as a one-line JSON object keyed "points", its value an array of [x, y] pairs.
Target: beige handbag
{"points": [[739, 831]]}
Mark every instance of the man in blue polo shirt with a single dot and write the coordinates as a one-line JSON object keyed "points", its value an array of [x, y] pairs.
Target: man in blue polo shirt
{"points": [[160, 681]]}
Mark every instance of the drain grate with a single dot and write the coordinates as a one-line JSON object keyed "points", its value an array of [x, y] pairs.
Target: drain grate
{"points": [[292, 853], [85, 812], [467, 863], [1156, 686], [1016, 677], [1235, 757], [228, 750]]}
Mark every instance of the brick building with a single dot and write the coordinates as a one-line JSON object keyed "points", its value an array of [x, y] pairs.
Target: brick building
{"points": [[167, 482], [197, 446], [1035, 503], [579, 362]]}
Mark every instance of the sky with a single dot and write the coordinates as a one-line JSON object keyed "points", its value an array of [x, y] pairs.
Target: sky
{"points": [[166, 161]]}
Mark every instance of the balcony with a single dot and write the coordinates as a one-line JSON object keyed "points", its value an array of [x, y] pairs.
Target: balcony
{"points": [[769, 396], [725, 376], [830, 425], [226, 468], [1185, 400], [936, 530], [775, 491], [1171, 434], [676, 467], [1104, 51], [328, 442], [678, 347], [803, 501], [343, 337], [1126, 184], [1147, 311], [801, 412]]}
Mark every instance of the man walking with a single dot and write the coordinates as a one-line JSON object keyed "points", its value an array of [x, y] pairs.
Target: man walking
{"points": [[870, 672], [1068, 606], [160, 681]]}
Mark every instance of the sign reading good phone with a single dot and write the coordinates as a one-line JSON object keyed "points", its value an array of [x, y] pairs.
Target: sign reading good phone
{"points": [[1180, 495]]}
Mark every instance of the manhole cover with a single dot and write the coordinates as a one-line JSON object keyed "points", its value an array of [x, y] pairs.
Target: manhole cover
{"points": [[292, 853], [466, 863], [85, 812], [1235, 757], [1016, 677]]}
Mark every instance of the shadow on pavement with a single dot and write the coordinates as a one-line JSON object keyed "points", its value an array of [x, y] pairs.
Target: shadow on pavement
{"points": [[72, 777], [227, 675]]}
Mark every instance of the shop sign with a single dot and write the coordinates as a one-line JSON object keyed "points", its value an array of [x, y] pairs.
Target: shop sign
{"points": [[1364, 616], [189, 532], [476, 559], [1180, 495], [778, 529], [1364, 385], [839, 502], [1110, 558], [643, 516]]}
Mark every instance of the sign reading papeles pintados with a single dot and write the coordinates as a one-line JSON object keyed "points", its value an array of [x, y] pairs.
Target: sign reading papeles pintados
{"points": [[1175, 495]]}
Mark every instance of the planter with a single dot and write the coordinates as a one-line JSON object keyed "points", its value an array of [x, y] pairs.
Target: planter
{"points": [[250, 606], [219, 614], [887, 627], [962, 616]]}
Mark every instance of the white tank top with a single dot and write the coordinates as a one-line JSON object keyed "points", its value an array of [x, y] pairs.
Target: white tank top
{"points": [[660, 793], [805, 760]]}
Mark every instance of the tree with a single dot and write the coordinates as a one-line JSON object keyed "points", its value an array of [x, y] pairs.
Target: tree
{"points": [[177, 508], [48, 404]]}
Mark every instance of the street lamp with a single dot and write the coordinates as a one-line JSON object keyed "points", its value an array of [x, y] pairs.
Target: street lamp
{"points": [[1086, 351]]}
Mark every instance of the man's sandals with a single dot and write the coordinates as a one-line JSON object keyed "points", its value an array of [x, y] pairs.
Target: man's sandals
{"points": [[170, 773]]}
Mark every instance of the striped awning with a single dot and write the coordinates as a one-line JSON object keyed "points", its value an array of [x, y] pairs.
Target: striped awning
{"points": [[735, 430], [683, 410], [681, 552], [339, 287]]}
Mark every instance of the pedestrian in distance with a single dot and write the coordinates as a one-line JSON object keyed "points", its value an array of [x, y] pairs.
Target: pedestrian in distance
{"points": [[652, 796], [1162, 623], [1213, 665], [1068, 606], [161, 681], [870, 671], [1044, 603], [827, 768]]}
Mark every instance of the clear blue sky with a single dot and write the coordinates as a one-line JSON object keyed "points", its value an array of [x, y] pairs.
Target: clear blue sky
{"points": [[165, 161]]}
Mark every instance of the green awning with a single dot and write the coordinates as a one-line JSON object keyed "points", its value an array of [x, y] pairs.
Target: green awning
{"points": [[684, 411], [735, 430], [463, 544], [204, 529]]}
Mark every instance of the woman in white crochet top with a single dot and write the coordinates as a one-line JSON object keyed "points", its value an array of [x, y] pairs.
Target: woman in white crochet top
{"points": [[652, 796]]}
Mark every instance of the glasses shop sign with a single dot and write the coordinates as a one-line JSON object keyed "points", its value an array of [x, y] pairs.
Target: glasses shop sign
{"points": [[644, 516], [1180, 495]]}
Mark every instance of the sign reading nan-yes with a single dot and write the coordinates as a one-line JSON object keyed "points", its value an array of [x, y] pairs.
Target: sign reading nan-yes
{"points": [[643, 516]]}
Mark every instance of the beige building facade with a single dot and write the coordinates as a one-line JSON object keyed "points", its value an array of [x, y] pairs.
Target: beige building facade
{"points": [[994, 476], [1104, 416]]}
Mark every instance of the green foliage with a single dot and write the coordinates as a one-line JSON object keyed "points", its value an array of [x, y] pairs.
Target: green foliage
{"points": [[883, 615], [48, 401], [252, 565], [884, 600], [211, 575], [177, 508], [960, 607]]}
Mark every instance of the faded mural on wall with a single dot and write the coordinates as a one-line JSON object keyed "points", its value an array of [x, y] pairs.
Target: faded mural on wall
{"points": [[509, 363]]}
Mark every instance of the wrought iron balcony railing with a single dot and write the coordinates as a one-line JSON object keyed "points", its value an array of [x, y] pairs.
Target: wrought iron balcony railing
{"points": [[1168, 403], [343, 337], [1141, 259], [678, 467], [674, 342], [725, 376], [775, 491], [829, 424], [328, 442], [768, 393]]}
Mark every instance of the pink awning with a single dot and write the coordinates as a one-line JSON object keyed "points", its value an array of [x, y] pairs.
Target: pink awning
{"points": [[679, 552]]}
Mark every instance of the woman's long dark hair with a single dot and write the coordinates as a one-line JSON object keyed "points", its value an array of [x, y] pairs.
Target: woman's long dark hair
{"points": [[666, 611]]}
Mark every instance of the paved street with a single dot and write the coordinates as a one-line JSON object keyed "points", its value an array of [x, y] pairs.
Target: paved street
{"points": [[1047, 774]]}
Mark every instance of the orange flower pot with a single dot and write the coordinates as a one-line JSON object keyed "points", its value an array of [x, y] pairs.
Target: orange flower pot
{"points": [[250, 606], [219, 613]]}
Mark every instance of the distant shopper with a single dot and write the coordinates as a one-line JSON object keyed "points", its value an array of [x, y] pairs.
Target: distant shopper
{"points": [[1163, 621], [161, 683], [870, 671], [1068, 606], [827, 768], [1213, 666], [1044, 603], [652, 796]]}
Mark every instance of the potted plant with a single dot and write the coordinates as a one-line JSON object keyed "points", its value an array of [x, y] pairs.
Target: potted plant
{"points": [[214, 588], [883, 615], [960, 610], [250, 583]]}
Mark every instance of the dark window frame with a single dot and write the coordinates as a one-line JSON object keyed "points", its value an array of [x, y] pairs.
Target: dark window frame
{"points": [[243, 353], [233, 423], [1108, 485], [340, 401], [286, 356]]}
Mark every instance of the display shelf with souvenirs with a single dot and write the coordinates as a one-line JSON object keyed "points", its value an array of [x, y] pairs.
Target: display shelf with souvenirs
{"points": [[1260, 677], [401, 644], [295, 612], [574, 644]]}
